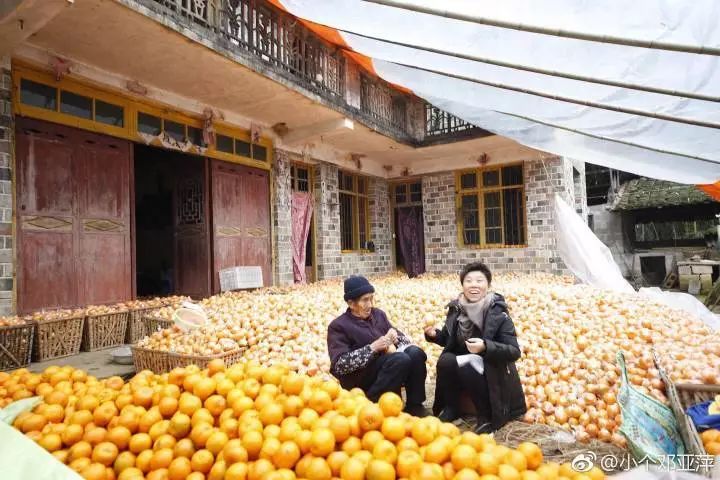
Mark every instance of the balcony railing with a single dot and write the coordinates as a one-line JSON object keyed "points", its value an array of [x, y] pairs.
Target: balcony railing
{"points": [[257, 29], [441, 124]]}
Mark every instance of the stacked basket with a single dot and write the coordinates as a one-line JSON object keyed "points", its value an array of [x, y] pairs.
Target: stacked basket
{"points": [[16, 336]]}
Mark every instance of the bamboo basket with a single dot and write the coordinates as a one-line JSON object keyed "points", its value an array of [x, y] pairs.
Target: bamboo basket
{"points": [[16, 346], [57, 338], [179, 360], [154, 324], [137, 326], [104, 331], [153, 360]]}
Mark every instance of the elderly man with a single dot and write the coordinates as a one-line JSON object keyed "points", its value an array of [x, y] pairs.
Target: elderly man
{"points": [[367, 352]]}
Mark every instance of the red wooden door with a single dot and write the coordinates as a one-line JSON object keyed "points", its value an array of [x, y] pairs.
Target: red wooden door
{"points": [[241, 219], [74, 233], [104, 223], [191, 235]]}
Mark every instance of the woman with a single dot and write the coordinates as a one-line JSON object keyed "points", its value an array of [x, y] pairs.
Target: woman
{"points": [[478, 324]]}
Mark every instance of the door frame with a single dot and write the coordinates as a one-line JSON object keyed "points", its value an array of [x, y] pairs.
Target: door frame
{"points": [[393, 211], [313, 224]]}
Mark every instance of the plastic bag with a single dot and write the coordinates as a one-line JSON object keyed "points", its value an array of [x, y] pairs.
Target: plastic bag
{"points": [[649, 426], [9, 413]]}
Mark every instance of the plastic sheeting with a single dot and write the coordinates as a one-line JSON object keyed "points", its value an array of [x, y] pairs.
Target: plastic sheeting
{"points": [[658, 148], [302, 209], [593, 264]]}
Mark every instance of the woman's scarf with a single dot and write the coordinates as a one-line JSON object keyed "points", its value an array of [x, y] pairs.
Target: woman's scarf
{"points": [[472, 315]]}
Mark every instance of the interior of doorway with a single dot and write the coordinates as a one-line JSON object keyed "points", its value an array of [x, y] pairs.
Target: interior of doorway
{"points": [[155, 179]]}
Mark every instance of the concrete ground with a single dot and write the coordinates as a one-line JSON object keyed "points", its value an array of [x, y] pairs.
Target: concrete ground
{"points": [[97, 363]]}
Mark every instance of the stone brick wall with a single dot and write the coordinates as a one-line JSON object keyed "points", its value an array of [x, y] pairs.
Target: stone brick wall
{"points": [[6, 200], [282, 217], [442, 252], [330, 260]]}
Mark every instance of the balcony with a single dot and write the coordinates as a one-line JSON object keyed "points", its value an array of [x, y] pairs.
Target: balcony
{"points": [[278, 41]]}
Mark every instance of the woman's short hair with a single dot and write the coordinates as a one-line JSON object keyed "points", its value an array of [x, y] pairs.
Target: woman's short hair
{"points": [[476, 267]]}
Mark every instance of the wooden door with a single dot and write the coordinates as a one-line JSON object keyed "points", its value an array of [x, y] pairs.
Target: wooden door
{"points": [[46, 270], [74, 235], [191, 233], [104, 224], [241, 219]]}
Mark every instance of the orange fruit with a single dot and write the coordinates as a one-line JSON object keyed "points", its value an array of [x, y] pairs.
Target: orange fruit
{"points": [[303, 440], [124, 461], [54, 413], [336, 460], [105, 453], [140, 442], [427, 471], [237, 471], [352, 445], [385, 450], [407, 443], [370, 439], [370, 417], [202, 415], [215, 365], [51, 442], [164, 441], [423, 432], [713, 448], [143, 460], [287, 455], [487, 464], [94, 471], [533, 454], [711, 435], [393, 429], [180, 425], [179, 469], [62, 455], [201, 433], [293, 384], [202, 461], [320, 401], [161, 459], [407, 461], [463, 456], [318, 469], [517, 460], [391, 404], [259, 469], [322, 442], [33, 423], [234, 452], [252, 442], [72, 434], [160, 429], [270, 446], [379, 470], [352, 469], [216, 442], [184, 448], [215, 404], [508, 472], [95, 435], [436, 452], [467, 474], [81, 449], [272, 414], [204, 388], [168, 406]]}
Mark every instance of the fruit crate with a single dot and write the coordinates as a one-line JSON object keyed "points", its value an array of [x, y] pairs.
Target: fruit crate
{"points": [[16, 346], [137, 326], [179, 360], [153, 360], [60, 337], [104, 331], [686, 395], [153, 324]]}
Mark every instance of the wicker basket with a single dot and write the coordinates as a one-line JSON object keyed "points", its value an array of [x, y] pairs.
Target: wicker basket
{"points": [[146, 359], [16, 346], [57, 338], [178, 360], [684, 396], [137, 326], [154, 324], [103, 331]]}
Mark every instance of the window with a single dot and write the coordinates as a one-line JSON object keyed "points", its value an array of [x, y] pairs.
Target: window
{"points": [[354, 211], [406, 194], [491, 207], [300, 178], [663, 232]]}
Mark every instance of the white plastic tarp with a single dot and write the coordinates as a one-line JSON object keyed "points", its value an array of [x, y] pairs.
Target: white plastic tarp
{"points": [[593, 264], [591, 133]]}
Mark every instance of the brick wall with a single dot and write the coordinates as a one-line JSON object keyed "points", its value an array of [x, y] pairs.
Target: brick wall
{"points": [[282, 211], [6, 200], [331, 261], [442, 252]]}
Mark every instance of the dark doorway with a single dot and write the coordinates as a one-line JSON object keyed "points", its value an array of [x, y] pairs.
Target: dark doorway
{"points": [[172, 240], [408, 227], [653, 269]]}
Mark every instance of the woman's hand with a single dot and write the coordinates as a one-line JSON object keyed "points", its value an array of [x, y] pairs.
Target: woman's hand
{"points": [[392, 336], [380, 345], [476, 346], [430, 331]]}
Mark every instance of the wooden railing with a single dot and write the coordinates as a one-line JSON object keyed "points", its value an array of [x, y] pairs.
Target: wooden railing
{"points": [[258, 29]]}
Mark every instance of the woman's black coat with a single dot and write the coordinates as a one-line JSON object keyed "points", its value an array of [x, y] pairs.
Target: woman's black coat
{"points": [[507, 399]]}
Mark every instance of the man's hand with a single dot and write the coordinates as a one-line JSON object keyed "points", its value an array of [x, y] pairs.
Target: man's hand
{"points": [[476, 346], [430, 332], [380, 345]]}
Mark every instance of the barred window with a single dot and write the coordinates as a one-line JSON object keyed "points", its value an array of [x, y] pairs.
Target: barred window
{"points": [[354, 211], [491, 207], [300, 177]]}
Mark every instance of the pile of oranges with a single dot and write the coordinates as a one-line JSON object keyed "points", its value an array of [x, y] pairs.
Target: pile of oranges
{"points": [[249, 422], [711, 441]]}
